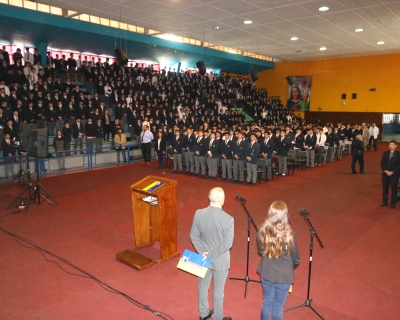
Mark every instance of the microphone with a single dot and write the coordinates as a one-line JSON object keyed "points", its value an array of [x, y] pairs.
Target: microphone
{"points": [[240, 198], [304, 211]]}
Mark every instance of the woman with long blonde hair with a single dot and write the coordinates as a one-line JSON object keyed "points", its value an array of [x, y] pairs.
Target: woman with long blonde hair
{"points": [[280, 256]]}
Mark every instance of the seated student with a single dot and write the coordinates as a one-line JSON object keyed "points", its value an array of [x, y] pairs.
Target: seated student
{"points": [[120, 140]]}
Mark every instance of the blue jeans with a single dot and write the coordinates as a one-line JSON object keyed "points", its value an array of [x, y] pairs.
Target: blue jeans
{"points": [[275, 295]]}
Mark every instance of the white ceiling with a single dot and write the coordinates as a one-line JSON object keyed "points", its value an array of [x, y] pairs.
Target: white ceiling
{"points": [[274, 23]]}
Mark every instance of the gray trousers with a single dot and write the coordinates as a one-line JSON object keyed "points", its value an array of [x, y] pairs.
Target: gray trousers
{"points": [[226, 168], [219, 278], [266, 165], [238, 170], [99, 144], [78, 142], [200, 164], [337, 150], [296, 154], [251, 172], [321, 152], [61, 160], [189, 161], [329, 155], [90, 144], [282, 164], [212, 167], [310, 157], [9, 166], [67, 147], [177, 159], [59, 124]]}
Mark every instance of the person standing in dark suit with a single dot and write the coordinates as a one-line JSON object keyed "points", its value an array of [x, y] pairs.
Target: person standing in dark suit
{"points": [[310, 142], [284, 145], [99, 129], [176, 145], [200, 150], [90, 135], [213, 153], [390, 165], [212, 236], [66, 135], [357, 149], [238, 158], [77, 134], [252, 152], [277, 246], [267, 148], [226, 157], [8, 153], [160, 148]]}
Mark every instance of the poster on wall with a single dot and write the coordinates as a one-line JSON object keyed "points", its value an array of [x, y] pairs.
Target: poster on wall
{"points": [[299, 93]]}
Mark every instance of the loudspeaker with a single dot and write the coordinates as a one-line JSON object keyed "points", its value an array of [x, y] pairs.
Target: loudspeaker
{"points": [[289, 80], [38, 143], [253, 75], [25, 135], [122, 58], [202, 68]]}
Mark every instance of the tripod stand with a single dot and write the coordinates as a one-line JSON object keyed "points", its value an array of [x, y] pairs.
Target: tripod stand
{"points": [[30, 193], [249, 222], [21, 172], [313, 233]]}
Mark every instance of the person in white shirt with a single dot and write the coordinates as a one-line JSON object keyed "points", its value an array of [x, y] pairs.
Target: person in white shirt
{"points": [[28, 57], [107, 95], [6, 88], [373, 136], [140, 78], [321, 139]]}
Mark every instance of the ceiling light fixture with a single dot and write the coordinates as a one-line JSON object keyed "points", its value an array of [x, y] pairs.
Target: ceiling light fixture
{"points": [[324, 8], [359, 30], [217, 27], [247, 22], [294, 38], [380, 42], [322, 48]]}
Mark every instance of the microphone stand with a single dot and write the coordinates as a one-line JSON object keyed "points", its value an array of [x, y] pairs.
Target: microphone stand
{"points": [[249, 222], [313, 234]]}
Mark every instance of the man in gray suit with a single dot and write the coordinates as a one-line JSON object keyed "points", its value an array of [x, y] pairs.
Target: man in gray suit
{"points": [[212, 236]]}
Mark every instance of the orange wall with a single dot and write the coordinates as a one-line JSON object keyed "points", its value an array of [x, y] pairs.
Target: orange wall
{"points": [[333, 77]]}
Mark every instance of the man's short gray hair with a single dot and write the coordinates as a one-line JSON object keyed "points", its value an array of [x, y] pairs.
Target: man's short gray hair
{"points": [[216, 195]]}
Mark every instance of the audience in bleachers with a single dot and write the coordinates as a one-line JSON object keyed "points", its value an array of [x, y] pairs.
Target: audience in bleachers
{"points": [[90, 99]]}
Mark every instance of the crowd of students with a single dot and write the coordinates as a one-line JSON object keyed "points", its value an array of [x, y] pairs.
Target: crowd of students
{"points": [[237, 149]]}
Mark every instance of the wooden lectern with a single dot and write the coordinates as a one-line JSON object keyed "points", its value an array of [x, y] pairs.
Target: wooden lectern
{"points": [[156, 220]]}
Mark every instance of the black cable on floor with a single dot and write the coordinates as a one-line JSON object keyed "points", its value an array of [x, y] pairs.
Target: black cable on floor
{"points": [[31, 245]]}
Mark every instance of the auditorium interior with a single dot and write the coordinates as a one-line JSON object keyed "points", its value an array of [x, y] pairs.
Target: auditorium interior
{"points": [[218, 66]]}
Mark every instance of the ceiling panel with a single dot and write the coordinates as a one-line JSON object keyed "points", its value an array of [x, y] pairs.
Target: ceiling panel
{"points": [[274, 23], [291, 12], [235, 6], [209, 12]]}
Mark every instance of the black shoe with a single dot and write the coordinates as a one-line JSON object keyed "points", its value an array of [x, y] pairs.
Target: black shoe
{"points": [[209, 315], [354, 172], [392, 205], [227, 318], [383, 204]]}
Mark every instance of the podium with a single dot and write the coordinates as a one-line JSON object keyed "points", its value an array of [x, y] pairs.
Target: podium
{"points": [[153, 219]]}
